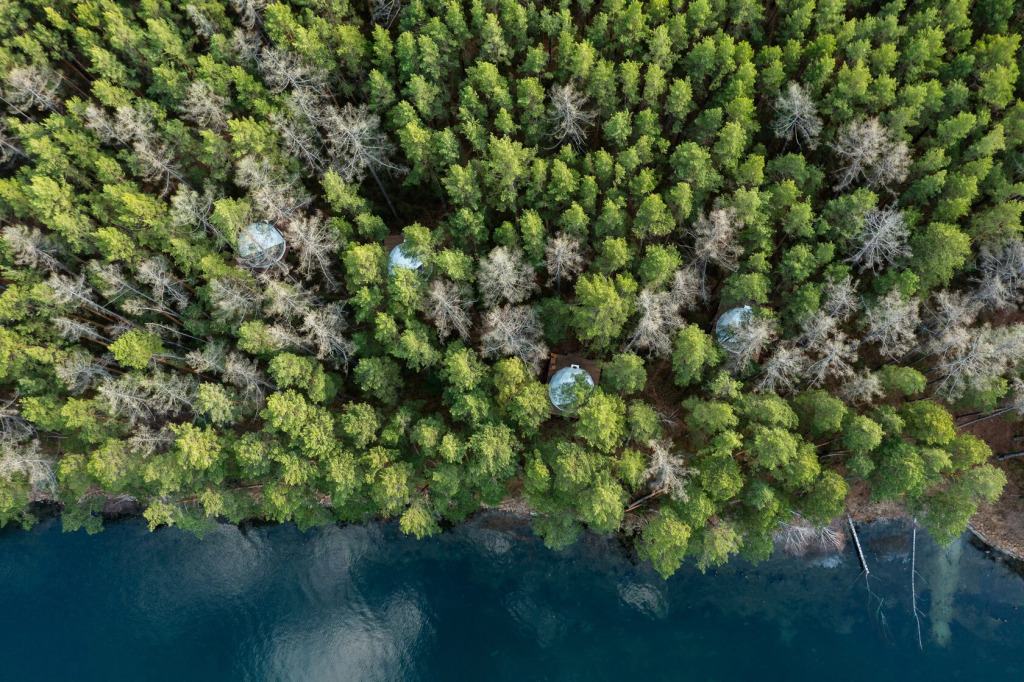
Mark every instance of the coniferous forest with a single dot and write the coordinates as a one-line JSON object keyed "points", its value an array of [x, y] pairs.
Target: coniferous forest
{"points": [[314, 261]]}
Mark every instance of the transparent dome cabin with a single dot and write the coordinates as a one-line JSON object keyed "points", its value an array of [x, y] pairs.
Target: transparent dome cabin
{"points": [[562, 385], [260, 245], [729, 323], [402, 257]]}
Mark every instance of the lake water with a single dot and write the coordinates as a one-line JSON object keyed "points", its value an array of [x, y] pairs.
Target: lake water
{"points": [[487, 601]]}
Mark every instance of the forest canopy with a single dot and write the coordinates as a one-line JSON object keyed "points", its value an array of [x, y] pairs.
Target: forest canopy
{"points": [[308, 261]]}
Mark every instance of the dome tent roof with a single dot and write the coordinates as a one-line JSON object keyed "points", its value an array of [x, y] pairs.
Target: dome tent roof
{"points": [[560, 386], [260, 245], [402, 257], [728, 323]]}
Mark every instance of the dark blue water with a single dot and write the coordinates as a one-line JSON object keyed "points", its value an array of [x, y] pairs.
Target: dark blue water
{"points": [[486, 602]]}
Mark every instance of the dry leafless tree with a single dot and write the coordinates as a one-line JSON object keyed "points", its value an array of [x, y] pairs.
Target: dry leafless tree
{"points": [[28, 460], [357, 144], [505, 276], [570, 115], [840, 299], [667, 470], [315, 244], [324, 328], [866, 152], [204, 107], [287, 301], [447, 306], [882, 240], [892, 324], [835, 355], [797, 118], [862, 387], [384, 12], [659, 321], [716, 241], [999, 282], [783, 370], [231, 301], [31, 248], [513, 331], [563, 257], [32, 87]]}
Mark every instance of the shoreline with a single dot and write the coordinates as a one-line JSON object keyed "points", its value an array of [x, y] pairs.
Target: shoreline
{"points": [[516, 508]]}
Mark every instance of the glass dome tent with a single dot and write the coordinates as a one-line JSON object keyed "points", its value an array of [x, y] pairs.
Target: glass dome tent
{"points": [[261, 245], [560, 388], [729, 323], [402, 257]]}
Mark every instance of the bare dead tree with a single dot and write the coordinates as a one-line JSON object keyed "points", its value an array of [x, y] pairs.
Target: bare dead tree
{"points": [[284, 70], [13, 427], [506, 276], [816, 329], [797, 118], [98, 121], [203, 25], [976, 355], [891, 167], [384, 12], [232, 302], [164, 286], [799, 537], [357, 144], [835, 356], [686, 288], [191, 209], [210, 358], [249, 12], [840, 299], [749, 337], [716, 241], [862, 387], [892, 324], [9, 148], [244, 374], [513, 331], [1000, 279], [74, 290], [171, 393], [146, 441], [286, 300], [783, 370], [866, 152], [32, 87], [563, 257], [156, 164], [283, 336], [324, 328], [73, 330], [247, 44], [447, 306], [299, 132], [275, 193], [882, 240], [80, 371], [28, 460], [948, 309], [667, 470], [204, 107], [570, 115], [659, 321], [126, 397], [315, 245], [31, 248]]}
